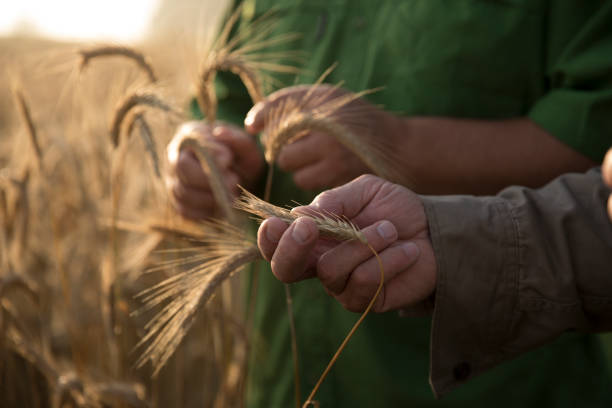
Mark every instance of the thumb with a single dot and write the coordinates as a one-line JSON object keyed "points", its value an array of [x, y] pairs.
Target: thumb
{"points": [[347, 200], [254, 120]]}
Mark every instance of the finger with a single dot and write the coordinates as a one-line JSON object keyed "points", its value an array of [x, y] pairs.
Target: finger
{"points": [[349, 199], [190, 172], [254, 121], [189, 169], [290, 260], [606, 168], [412, 285], [193, 213], [223, 156], [334, 267], [232, 181], [187, 128], [190, 196], [268, 235], [302, 152], [248, 160], [318, 176], [236, 139], [365, 279]]}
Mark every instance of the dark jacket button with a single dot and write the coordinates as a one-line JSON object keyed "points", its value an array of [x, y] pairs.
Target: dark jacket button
{"points": [[462, 371]]}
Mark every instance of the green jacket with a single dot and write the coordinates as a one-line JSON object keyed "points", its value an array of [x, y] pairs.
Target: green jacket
{"points": [[548, 60]]}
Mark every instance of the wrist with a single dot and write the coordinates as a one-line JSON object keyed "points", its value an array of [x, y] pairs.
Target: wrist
{"points": [[402, 132]]}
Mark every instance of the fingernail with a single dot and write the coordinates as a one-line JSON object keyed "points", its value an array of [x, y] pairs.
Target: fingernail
{"points": [[300, 232], [386, 230], [272, 235], [411, 250]]}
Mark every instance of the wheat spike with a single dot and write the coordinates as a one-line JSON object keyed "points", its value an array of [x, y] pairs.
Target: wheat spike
{"points": [[26, 116], [324, 109], [139, 58], [245, 56], [146, 134], [130, 101], [328, 224], [223, 250]]}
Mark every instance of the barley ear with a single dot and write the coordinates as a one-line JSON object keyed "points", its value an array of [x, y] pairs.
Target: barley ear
{"points": [[132, 100], [143, 62]]}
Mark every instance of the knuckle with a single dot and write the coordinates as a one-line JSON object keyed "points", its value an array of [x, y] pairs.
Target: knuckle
{"points": [[367, 178]]}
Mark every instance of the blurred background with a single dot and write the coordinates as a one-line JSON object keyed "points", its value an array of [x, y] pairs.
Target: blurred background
{"points": [[67, 286], [68, 283]]}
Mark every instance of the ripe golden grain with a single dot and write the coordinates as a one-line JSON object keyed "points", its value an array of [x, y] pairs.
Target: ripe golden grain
{"points": [[88, 54], [223, 250], [328, 224], [244, 55], [146, 134], [26, 116], [132, 100]]}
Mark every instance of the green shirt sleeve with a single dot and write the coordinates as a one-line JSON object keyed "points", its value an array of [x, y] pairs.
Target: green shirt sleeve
{"points": [[578, 108]]}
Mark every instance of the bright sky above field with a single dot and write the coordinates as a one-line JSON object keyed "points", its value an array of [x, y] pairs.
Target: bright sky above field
{"points": [[118, 20]]}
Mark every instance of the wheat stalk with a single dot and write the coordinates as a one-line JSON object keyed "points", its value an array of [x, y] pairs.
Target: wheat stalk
{"points": [[139, 58], [26, 116], [147, 138]]}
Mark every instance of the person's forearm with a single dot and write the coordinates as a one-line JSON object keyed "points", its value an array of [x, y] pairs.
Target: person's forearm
{"points": [[522, 268], [468, 156]]}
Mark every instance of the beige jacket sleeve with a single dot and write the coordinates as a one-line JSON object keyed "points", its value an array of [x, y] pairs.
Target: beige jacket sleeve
{"points": [[515, 271]]}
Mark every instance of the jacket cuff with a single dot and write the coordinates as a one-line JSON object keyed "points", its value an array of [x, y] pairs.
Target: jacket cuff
{"points": [[475, 295], [574, 118]]}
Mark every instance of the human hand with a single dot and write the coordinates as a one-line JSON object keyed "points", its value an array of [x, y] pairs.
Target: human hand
{"points": [[318, 160], [237, 156], [606, 172], [393, 220]]}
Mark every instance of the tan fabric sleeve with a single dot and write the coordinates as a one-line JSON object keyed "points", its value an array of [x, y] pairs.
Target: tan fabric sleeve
{"points": [[515, 271]]}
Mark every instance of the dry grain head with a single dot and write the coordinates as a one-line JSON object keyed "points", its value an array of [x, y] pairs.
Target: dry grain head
{"points": [[249, 54], [223, 250]]}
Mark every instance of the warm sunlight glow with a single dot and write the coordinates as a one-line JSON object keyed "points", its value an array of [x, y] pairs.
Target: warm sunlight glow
{"points": [[118, 20]]}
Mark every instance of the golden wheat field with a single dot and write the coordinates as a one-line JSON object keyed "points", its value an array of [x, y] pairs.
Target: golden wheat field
{"points": [[100, 279], [84, 225]]}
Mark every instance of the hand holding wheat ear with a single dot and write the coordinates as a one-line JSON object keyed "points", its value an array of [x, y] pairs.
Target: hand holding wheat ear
{"points": [[237, 157], [325, 135], [393, 222], [220, 251]]}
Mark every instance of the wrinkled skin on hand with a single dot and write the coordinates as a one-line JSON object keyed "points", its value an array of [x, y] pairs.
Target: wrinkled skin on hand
{"points": [[394, 222], [317, 160], [238, 158]]}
